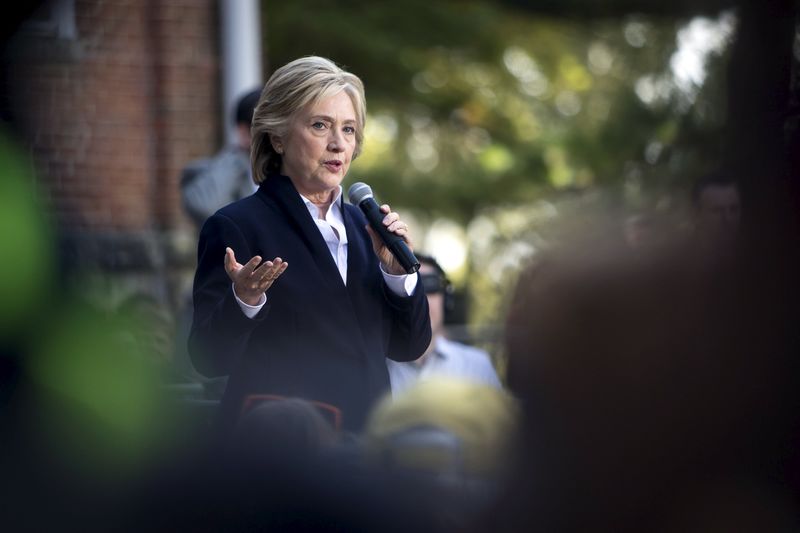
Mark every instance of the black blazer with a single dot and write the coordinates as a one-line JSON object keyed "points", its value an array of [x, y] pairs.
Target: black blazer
{"points": [[315, 338]]}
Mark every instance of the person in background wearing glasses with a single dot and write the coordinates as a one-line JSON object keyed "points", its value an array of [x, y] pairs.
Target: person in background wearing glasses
{"points": [[443, 357]]}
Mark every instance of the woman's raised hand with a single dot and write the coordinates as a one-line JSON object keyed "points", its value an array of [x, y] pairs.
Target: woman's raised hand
{"points": [[252, 279]]}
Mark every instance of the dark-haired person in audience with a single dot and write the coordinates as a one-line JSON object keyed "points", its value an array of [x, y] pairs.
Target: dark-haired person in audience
{"points": [[208, 184]]}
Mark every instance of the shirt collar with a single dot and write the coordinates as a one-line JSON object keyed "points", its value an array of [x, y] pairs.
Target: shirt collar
{"points": [[336, 205]]}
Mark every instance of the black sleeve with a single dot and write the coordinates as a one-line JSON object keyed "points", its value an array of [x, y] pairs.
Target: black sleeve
{"points": [[411, 327], [220, 330]]}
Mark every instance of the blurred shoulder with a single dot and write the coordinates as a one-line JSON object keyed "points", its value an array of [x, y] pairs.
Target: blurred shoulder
{"points": [[463, 351]]}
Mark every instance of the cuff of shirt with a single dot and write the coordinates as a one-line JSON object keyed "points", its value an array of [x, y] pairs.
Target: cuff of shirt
{"points": [[402, 285], [250, 310]]}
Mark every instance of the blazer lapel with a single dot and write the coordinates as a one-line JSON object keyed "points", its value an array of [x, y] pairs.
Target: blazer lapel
{"points": [[282, 190], [357, 255]]}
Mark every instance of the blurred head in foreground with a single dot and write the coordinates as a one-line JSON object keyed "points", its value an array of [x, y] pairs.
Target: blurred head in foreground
{"points": [[657, 394], [451, 436], [280, 431]]}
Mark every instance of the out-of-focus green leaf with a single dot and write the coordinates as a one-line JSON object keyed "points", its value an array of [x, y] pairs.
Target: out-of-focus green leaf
{"points": [[27, 265]]}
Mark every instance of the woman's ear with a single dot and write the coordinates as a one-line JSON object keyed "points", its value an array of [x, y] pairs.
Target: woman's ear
{"points": [[277, 144]]}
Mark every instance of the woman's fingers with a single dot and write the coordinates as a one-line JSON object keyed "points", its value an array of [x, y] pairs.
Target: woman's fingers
{"points": [[282, 268], [230, 261], [390, 217], [398, 226], [393, 223], [259, 273], [267, 268], [278, 268], [234, 269], [269, 271], [255, 276], [251, 265]]}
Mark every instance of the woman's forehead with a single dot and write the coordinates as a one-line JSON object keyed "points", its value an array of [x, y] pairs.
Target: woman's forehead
{"points": [[338, 106]]}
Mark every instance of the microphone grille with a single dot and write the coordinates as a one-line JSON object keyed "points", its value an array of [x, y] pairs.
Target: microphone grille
{"points": [[358, 192]]}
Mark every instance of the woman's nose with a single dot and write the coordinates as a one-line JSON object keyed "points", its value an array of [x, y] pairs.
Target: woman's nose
{"points": [[336, 142]]}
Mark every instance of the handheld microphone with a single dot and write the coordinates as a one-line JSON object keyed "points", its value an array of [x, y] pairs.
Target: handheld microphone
{"points": [[360, 194]]}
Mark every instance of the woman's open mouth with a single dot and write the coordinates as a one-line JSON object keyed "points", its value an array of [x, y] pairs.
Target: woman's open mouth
{"points": [[333, 165]]}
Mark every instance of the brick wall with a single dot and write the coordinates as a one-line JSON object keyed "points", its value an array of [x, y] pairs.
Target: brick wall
{"points": [[115, 112], [188, 102]]}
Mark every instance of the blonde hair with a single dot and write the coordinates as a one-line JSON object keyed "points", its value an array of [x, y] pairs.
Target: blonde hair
{"points": [[290, 89]]}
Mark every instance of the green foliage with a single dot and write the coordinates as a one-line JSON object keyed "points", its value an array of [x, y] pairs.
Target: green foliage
{"points": [[26, 274], [478, 109], [479, 103], [99, 404]]}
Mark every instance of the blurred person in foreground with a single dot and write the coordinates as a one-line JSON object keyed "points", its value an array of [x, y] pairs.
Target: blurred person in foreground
{"points": [[293, 294], [450, 439], [659, 394], [279, 432], [208, 184], [443, 357]]}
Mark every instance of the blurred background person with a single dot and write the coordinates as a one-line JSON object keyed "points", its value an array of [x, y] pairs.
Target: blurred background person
{"points": [[642, 231], [208, 184], [443, 357], [717, 207], [319, 301]]}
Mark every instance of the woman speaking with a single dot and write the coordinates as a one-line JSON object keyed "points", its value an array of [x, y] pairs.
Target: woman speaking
{"points": [[294, 294]]}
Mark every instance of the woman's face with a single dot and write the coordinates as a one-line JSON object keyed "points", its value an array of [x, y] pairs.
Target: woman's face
{"points": [[319, 144]]}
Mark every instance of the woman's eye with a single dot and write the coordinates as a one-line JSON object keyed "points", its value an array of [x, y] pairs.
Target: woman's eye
{"points": [[318, 125], [349, 130]]}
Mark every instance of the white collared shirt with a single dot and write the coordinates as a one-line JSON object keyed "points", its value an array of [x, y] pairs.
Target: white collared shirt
{"points": [[332, 229], [335, 236], [449, 358]]}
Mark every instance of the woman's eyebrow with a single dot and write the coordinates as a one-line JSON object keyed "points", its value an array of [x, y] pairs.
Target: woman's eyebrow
{"points": [[330, 119]]}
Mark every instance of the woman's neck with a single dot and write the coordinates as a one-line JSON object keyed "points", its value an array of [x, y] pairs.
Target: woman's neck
{"points": [[322, 200]]}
